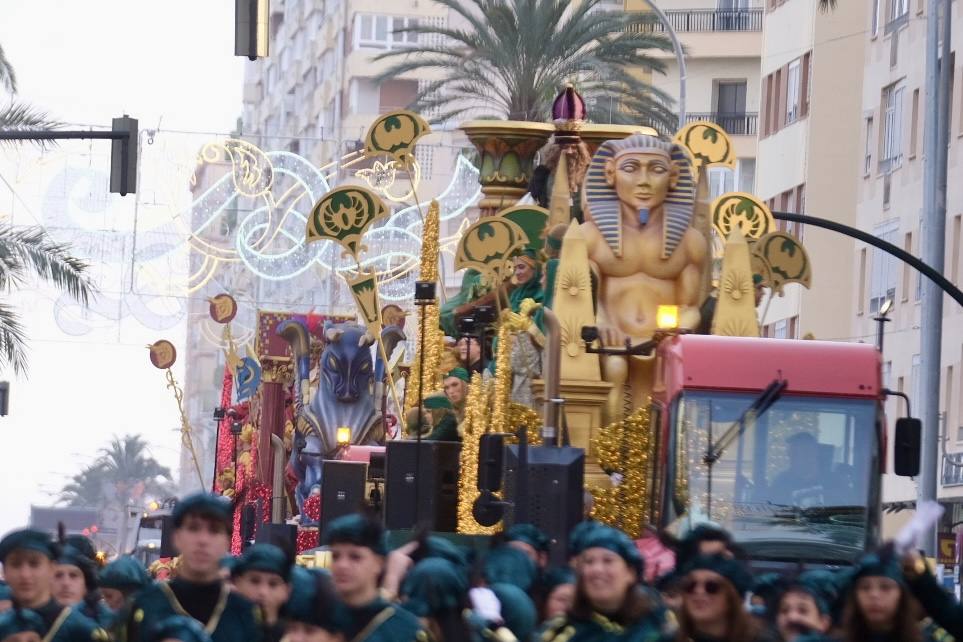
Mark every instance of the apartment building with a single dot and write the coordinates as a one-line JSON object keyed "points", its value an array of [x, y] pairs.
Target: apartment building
{"points": [[723, 43], [889, 204]]}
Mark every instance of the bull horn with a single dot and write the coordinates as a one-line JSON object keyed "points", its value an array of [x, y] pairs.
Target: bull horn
{"points": [[366, 340], [332, 335]]}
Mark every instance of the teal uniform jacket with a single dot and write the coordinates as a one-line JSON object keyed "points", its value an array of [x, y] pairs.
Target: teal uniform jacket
{"points": [[656, 626], [233, 618], [66, 624], [446, 430], [382, 621]]}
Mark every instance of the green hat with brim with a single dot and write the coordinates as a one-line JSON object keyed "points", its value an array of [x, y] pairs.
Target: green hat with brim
{"points": [[207, 505], [358, 530], [16, 621], [459, 373], [266, 558], [312, 600], [507, 565], [529, 534], [125, 573], [734, 571], [437, 402], [28, 539], [177, 627], [613, 540], [434, 586]]}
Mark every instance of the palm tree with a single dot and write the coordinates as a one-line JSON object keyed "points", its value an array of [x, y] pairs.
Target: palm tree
{"points": [[30, 252], [17, 115], [86, 488], [516, 55]]}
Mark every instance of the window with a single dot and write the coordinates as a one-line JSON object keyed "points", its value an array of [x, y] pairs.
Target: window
{"points": [[364, 96], [731, 106], [747, 175], [793, 79], [883, 277], [381, 32], [397, 94], [868, 147], [806, 85], [919, 276], [874, 26], [892, 109], [767, 106], [781, 329], [914, 122], [907, 271], [721, 180], [898, 9]]}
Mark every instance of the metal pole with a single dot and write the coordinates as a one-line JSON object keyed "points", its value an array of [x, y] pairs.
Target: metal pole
{"points": [[933, 228], [679, 57]]}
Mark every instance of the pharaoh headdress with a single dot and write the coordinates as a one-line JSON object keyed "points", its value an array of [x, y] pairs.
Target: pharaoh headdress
{"points": [[603, 203]]}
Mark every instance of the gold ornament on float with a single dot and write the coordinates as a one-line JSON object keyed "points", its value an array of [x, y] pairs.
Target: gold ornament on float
{"points": [[742, 210], [487, 246], [708, 144], [223, 308], [786, 258], [395, 134], [344, 214], [625, 447]]}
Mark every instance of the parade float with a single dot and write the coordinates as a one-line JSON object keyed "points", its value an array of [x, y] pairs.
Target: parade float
{"points": [[607, 309]]}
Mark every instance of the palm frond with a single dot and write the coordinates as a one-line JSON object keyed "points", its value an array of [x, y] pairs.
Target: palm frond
{"points": [[18, 116], [826, 6], [8, 78], [24, 250], [13, 340]]}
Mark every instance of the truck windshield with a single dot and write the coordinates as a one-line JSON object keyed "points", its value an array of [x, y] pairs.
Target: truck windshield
{"points": [[796, 485]]}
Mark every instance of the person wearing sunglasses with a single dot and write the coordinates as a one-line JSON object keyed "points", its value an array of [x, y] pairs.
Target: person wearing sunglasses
{"points": [[713, 591], [610, 603]]}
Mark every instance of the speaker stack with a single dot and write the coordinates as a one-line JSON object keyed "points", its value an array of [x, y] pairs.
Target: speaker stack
{"points": [[421, 489]]}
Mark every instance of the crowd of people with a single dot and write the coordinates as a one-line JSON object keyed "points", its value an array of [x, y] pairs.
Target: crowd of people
{"points": [[433, 589]]}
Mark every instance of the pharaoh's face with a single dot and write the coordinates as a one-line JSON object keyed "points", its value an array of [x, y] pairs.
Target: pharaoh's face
{"points": [[642, 179]]}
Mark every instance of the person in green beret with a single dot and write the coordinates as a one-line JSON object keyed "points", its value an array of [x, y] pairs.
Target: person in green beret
{"points": [[438, 410], [940, 605], [558, 587], [714, 588], [802, 607], [311, 613], [455, 385], [508, 565], [530, 540], [436, 591], [120, 581], [22, 625], [517, 609], [358, 551], [202, 535], [75, 584], [262, 574], [28, 567], [178, 628], [610, 603]]}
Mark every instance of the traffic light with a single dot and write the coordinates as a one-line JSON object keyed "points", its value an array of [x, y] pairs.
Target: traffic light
{"points": [[251, 28], [123, 157]]}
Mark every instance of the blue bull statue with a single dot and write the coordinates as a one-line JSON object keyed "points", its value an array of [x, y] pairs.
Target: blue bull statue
{"points": [[343, 399]]}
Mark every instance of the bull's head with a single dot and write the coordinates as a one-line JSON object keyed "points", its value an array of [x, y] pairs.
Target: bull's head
{"points": [[346, 361]]}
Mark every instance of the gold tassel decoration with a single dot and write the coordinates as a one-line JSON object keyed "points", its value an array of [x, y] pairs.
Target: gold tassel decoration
{"points": [[625, 447], [475, 426], [433, 349]]}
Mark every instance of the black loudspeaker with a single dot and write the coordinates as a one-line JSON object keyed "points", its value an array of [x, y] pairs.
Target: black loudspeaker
{"points": [[342, 489], [248, 525], [376, 466], [554, 500], [167, 536], [491, 461], [435, 504], [284, 536]]}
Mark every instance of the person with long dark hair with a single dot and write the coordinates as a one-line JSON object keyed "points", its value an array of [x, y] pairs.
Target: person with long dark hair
{"points": [[610, 602], [713, 592]]}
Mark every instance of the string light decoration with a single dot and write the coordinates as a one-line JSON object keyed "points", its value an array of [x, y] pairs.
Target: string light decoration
{"points": [[625, 447], [434, 338]]}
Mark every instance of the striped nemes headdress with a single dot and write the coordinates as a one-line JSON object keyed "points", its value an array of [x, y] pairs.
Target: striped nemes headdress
{"points": [[603, 202]]}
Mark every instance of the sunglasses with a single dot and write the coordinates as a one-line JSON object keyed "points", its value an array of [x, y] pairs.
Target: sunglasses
{"points": [[709, 587]]}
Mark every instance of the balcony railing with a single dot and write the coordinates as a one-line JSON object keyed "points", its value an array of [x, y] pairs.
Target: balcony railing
{"points": [[701, 20], [734, 124], [953, 469]]}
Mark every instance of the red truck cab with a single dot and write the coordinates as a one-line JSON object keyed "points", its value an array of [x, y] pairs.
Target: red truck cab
{"points": [[801, 481]]}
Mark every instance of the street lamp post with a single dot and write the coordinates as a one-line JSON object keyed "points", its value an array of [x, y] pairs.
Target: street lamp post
{"points": [[679, 56], [881, 320]]}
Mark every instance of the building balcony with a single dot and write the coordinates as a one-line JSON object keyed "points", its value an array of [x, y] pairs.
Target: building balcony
{"points": [[735, 124], [705, 20], [952, 469]]}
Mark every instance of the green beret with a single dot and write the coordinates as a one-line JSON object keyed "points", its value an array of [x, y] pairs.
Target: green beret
{"points": [[70, 556], [435, 546], [557, 576], [823, 586], [84, 545], [267, 558], [579, 533], [16, 621], [209, 505], [177, 627], [613, 540], [878, 565], [30, 540], [507, 565], [459, 373], [732, 570], [358, 530], [529, 534], [434, 586], [125, 573], [437, 401], [312, 599], [518, 610]]}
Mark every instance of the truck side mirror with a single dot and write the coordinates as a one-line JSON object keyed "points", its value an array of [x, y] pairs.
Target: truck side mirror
{"points": [[907, 447]]}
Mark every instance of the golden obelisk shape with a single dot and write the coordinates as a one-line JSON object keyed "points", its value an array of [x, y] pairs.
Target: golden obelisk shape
{"points": [[735, 314]]}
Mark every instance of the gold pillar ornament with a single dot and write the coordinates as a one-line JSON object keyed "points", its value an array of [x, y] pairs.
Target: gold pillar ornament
{"points": [[474, 426], [735, 314], [625, 447], [434, 340], [560, 204], [572, 304]]}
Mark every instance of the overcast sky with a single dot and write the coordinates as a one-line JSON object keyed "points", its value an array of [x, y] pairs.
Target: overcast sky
{"points": [[87, 62]]}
